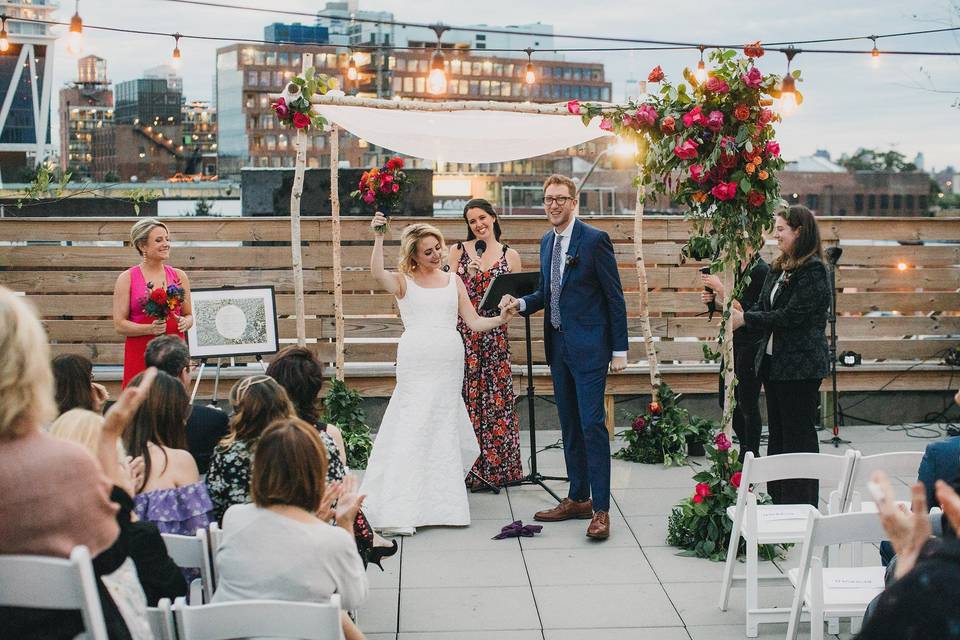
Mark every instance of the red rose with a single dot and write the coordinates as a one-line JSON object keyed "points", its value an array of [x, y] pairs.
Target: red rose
{"points": [[696, 173], [301, 120], [724, 191], [646, 115], [773, 148], [668, 124], [395, 187], [703, 490], [639, 424], [697, 498], [722, 441], [159, 296], [694, 116], [735, 479], [752, 78], [606, 124], [756, 198], [574, 107], [717, 85], [728, 161], [654, 408], [765, 116], [742, 112], [656, 75], [687, 150], [753, 50]]}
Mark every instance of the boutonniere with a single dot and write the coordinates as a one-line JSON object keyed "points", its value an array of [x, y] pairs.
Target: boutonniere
{"points": [[571, 261], [787, 275]]}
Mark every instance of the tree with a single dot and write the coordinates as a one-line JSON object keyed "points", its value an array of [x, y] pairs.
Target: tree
{"points": [[873, 160]]}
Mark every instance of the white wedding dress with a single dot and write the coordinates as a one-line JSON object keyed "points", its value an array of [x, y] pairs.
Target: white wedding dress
{"points": [[426, 444]]}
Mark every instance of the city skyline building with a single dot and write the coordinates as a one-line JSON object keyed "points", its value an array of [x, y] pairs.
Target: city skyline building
{"points": [[85, 107]]}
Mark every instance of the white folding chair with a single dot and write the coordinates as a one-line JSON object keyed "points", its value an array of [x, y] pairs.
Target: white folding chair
{"points": [[160, 619], [215, 534], [899, 463], [193, 552], [42, 582], [257, 618], [773, 524], [834, 592]]}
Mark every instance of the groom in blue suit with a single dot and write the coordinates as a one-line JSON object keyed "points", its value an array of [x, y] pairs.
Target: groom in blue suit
{"points": [[585, 333]]}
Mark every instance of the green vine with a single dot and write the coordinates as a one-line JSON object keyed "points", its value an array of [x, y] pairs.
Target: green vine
{"points": [[342, 408], [47, 187]]}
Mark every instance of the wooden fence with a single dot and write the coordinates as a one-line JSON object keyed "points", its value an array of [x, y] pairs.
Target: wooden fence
{"points": [[900, 319]]}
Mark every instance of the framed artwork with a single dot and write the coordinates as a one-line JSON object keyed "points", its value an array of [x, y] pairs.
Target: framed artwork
{"points": [[238, 321]]}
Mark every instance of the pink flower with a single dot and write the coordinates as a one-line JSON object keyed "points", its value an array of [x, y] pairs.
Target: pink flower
{"points": [[369, 197], [630, 122], [735, 479], [606, 124], [703, 490], [388, 177], [722, 441], [574, 107], [724, 191], [698, 498], [395, 187], [717, 85], [639, 424], [765, 116], [696, 173], [715, 121], [281, 108], [646, 115], [692, 117], [773, 148], [301, 120], [687, 150], [752, 78], [668, 124]]}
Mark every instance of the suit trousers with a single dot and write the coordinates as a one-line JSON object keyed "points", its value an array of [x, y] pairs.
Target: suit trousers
{"points": [[747, 423], [586, 445], [792, 407]]}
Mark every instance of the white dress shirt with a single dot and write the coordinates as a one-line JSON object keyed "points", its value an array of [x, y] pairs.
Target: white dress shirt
{"points": [[564, 237], [773, 294]]}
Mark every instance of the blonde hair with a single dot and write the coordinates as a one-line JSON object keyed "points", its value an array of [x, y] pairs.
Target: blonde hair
{"points": [[26, 382], [410, 239], [141, 229], [561, 179], [83, 427]]}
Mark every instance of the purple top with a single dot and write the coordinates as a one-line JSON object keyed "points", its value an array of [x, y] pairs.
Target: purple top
{"points": [[182, 510]]}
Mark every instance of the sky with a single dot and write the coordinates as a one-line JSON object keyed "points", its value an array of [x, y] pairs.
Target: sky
{"points": [[905, 103]]}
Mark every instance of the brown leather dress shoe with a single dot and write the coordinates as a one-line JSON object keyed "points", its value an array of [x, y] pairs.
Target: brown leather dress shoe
{"points": [[599, 528], [567, 510]]}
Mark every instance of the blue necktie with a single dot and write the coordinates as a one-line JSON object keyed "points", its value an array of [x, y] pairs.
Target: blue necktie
{"points": [[555, 282]]}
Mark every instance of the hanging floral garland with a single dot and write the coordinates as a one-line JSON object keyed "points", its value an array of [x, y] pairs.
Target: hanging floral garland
{"points": [[709, 145]]}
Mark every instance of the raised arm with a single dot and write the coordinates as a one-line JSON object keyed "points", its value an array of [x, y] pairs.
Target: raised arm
{"points": [[472, 318], [392, 282]]}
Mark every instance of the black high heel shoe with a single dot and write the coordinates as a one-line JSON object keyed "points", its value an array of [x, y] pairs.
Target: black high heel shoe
{"points": [[376, 554]]}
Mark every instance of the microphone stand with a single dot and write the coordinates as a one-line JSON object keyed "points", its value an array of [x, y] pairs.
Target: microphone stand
{"points": [[833, 256]]}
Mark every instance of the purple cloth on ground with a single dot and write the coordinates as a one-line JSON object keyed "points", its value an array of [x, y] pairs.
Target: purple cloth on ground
{"points": [[518, 530]]}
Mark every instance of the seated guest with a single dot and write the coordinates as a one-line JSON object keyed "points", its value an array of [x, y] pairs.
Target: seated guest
{"points": [[206, 426], [75, 388], [159, 575], [920, 602], [300, 373], [280, 547], [53, 494], [257, 401], [171, 494]]}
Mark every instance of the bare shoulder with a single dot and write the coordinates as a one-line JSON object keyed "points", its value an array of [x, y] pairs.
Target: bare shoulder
{"points": [[181, 274], [183, 465]]}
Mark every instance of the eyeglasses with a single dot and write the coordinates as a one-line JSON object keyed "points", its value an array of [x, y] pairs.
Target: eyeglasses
{"points": [[562, 201]]}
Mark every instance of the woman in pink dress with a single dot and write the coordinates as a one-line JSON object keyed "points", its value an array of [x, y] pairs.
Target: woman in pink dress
{"points": [[151, 239]]}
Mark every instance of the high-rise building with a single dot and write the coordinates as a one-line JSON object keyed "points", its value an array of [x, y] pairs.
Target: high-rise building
{"points": [[296, 32], [147, 101], [166, 72], [85, 107], [26, 82], [199, 142]]}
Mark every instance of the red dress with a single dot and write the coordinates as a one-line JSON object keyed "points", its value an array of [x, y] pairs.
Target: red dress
{"points": [[136, 346], [488, 385]]}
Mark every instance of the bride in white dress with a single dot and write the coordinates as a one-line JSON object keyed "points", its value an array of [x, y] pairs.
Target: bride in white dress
{"points": [[426, 444]]}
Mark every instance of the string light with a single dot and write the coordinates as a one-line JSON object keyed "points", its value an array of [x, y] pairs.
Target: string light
{"points": [[4, 40], [789, 98], [437, 80], [701, 73], [875, 53], [75, 38], [352, 68], [531, 76], [176, 49], [902, 266]]}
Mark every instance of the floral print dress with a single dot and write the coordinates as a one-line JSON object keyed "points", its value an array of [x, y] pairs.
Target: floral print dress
{"points": [[228, 478], [488, 384]]}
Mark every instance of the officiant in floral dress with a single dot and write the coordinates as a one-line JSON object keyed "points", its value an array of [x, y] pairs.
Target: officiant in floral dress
{"points": [[487, 379]]}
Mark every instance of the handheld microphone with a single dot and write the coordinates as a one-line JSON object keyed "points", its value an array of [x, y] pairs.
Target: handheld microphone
{"points": [[712, 305], [480, 247]]}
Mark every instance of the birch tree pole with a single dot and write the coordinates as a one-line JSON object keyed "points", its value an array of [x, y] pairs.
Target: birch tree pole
{"points": [[295, 194], [726, 348], [337, 251], [644, 295]]}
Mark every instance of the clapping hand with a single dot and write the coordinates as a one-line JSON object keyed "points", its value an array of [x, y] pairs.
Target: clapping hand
{"points": [[120, 415], [349, 503], [908, 530]]}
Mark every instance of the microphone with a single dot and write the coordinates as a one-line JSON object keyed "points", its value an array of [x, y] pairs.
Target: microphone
{"points": [[480, 246]]}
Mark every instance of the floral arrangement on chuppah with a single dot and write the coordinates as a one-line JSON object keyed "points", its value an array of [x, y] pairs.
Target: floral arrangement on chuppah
{"points": [[665, 433], [293, 106]]}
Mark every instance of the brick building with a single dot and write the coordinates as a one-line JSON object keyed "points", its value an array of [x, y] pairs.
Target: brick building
{"points": [[85, 107]]}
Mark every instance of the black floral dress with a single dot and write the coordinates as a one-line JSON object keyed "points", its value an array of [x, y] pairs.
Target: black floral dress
{"points": [[488, 384], [228, 478], [337, 471]]}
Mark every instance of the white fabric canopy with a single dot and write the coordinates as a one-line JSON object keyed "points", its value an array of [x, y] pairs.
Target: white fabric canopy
{"points": [[463, 136]]}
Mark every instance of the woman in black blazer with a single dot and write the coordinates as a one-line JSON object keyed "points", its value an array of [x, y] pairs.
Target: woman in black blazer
{"points": [[791, 315]]}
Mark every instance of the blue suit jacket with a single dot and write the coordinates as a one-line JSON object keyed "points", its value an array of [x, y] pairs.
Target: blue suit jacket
{"points": [[593, 314], [941, 461]]}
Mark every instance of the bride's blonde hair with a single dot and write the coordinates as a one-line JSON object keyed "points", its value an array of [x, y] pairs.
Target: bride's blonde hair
{"points": [[409, 240]]}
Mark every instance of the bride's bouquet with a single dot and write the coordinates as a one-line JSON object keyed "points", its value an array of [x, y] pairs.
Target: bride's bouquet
{"points": [[383, 187]]}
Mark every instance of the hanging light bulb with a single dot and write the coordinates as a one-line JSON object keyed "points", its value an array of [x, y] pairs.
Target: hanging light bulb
{"points": [[352, 68], [875, 54], [701, 73], [531, 76], [437, 80], [75, 37], [4, 40], [789, 99], [176, 50]]}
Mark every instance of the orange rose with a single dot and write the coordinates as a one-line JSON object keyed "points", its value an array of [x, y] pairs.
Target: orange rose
{"points": [[763, 175], [742, 112], [699, 197], [750, 168]]}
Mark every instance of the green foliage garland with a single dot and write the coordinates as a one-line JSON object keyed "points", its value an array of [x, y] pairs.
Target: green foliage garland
{"points": [[342, 408], [662, 433]]}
